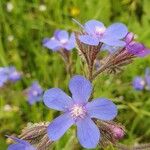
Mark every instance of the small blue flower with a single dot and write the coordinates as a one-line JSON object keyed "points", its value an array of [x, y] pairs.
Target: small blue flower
{"points": [[96, 32], [77, 110], [60, 40], [13, 74], [34, 93], [20, 144], [138, 83]]}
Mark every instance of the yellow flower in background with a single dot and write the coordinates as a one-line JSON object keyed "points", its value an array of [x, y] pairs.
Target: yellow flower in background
{"points": [[74, 11]]}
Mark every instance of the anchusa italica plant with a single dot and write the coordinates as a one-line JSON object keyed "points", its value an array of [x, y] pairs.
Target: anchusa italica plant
{"points": [[102, 49]]}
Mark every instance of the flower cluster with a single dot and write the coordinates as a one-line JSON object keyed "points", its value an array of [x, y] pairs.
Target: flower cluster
{"points": [[8, 74], [141, 83], [116, 39], [92, 117]]}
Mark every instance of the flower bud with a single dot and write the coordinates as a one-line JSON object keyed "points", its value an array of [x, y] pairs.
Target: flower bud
{"points": [[117, 131]]}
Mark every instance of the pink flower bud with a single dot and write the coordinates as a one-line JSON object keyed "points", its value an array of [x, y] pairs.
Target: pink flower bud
{"points": [[117, 132]]}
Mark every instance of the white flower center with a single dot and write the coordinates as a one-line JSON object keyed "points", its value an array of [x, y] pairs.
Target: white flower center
{"points": [[35, 93], [63, 41], [78, 111], [99, 30], [15, 73], [142, 82]]}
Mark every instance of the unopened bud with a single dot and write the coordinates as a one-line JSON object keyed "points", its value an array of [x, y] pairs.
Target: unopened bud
{"points": [[117, 132]]}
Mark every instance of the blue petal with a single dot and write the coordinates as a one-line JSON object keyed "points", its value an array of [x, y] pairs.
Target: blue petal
{"points": [[112, 42], [36, 87], [110, 49], [87, 39], [59, 126], [17, 140], [102, 109], [20, 147], [56, 33], [116, 31], [88, 133], [20, 144], [33, 99], [80, 88], [16, 147], [138, 83], [71, 43], [62, 34], [55, 98], [3, 79], [90, 26], [52, 44]]}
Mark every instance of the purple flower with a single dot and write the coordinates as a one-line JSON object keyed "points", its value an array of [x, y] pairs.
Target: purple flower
{"points": [[138, 83], [13, 74], [60, 40], [137, 49], [96, 32], [77, 110], [20, 144], [129, 37], [34, 93]]}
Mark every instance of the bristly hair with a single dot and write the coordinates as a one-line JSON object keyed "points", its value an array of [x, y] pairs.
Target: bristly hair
{"points": [[36, 134], [107, 133]]}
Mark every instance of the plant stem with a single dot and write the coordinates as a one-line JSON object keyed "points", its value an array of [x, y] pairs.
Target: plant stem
{"points": [[101, 69]]}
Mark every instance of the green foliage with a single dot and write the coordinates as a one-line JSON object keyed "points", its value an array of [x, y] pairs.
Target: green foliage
{"points": [[28, 26]]}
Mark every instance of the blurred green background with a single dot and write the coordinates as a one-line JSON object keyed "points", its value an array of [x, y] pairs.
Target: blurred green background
{"points": [[24, 24]]}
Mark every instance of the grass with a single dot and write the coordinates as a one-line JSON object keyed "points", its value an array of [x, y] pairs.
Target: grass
{"points": [[28, 26]]}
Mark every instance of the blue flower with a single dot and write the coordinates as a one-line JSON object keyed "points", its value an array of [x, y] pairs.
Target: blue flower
{"points": [[20, 144], [138, 83], [34, 93], [60, 40], [96, 32], [77, 110], [13, 74]]}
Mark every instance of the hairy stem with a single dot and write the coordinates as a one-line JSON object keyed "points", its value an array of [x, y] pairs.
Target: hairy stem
{"points": [[101, 69]]}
